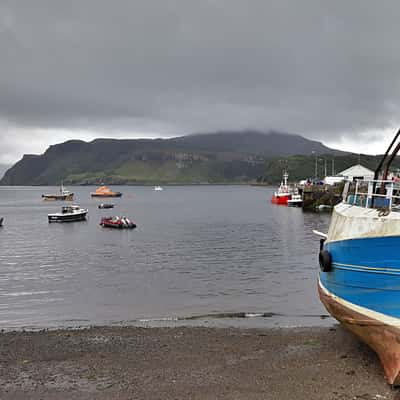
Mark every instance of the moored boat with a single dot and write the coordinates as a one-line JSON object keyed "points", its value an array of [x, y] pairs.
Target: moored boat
{"points": [[64, 195], [158, 188], [69, 214], [359, 281], [1, 221], [323, 207], [106, 205], [105, 191], [117, 222], [295, 201], [284, 192]]}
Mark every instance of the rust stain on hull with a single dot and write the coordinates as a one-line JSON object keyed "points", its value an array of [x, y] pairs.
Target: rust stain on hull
{"points": [[382, 338]]}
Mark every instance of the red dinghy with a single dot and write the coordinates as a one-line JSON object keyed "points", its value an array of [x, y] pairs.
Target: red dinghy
{"points": [[284, 192], [117, 223]]}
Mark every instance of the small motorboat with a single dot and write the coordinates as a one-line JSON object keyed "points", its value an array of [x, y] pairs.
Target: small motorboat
{"points": [[295, 201], [117, 222], [105, 191], [106, 205], [64, 195], [158, 188], [1, 221], [69, 214], [323, 207]]}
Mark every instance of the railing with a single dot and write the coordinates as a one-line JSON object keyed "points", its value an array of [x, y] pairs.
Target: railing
{"points": [[372, 197]]}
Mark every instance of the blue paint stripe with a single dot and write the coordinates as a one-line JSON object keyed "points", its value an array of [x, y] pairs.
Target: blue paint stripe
{"points": [[366, 272]]}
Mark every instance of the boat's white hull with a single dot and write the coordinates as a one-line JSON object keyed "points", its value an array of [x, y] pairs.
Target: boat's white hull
{"points": [[70, 217]]}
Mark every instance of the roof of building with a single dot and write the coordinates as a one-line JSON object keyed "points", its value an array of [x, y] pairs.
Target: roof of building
{"points": [[357, 170]]}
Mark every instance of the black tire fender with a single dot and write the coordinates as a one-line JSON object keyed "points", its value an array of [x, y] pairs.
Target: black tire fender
{"points": [[325, 261]]}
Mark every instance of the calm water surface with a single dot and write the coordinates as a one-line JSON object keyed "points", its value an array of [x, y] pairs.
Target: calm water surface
{"points": [[198, 251]]}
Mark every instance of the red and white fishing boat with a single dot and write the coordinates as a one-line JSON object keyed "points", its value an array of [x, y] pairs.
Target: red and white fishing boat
{"points": [[284, 192]]}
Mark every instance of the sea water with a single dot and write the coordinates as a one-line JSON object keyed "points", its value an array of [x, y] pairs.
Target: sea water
{"points": [[208, 255]]}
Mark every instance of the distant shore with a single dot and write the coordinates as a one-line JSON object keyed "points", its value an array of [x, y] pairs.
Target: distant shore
{"points": [[147, 184], [189, 363]]}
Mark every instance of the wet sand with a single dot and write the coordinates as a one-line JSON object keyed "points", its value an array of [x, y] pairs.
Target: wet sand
{"points": [[189, 363]]}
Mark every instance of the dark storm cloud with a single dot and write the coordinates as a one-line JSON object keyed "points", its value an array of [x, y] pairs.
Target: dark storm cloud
{"points": [[327, 70]]}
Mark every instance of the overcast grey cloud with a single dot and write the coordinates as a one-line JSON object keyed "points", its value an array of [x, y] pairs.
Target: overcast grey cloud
{"points": [[84, 69]]}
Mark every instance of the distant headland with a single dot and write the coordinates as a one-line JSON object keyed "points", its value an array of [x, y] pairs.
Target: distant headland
{"points": [[210, 158]]}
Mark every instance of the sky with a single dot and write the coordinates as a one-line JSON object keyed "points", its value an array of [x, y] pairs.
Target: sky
{"points": [[327, 70]]}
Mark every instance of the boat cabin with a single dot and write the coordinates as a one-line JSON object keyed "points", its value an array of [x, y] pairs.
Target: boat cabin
{"points": [[373, 193], [69, 209]]}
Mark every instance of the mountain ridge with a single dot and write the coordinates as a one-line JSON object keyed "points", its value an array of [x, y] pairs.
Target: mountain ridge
{"points": [[219, 157]]}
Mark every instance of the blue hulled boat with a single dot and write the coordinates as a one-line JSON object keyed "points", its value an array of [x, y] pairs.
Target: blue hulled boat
{"points": [[359, 282]]}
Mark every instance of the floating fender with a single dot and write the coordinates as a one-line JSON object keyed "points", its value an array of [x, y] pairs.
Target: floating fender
{"points": [[325, 261]]}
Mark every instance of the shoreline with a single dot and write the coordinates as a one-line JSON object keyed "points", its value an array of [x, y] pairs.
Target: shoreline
{"points": [[189, 363], [270, 185]]}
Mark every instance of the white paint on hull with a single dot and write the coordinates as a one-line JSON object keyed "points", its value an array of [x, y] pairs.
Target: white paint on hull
{"points": [[354, 222]]}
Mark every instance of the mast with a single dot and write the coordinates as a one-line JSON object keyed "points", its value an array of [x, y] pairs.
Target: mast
{"points": [[385, 162], [389, 161], [285, 177], [378, 168]]}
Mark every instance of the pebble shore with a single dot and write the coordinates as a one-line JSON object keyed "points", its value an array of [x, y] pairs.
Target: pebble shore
{"points": [[189, 363]]}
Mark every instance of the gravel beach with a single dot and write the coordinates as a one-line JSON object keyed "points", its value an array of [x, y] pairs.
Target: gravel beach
{"points": [[189, 363]]}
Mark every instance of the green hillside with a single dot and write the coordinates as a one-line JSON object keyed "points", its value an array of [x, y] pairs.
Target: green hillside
{"points": [[224, 157]]}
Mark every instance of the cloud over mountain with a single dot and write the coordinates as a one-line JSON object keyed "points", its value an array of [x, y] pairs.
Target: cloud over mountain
{"points": [[327, 70]]}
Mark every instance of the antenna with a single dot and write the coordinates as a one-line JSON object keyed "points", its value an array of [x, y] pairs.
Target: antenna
{"points": [[316, 165]]}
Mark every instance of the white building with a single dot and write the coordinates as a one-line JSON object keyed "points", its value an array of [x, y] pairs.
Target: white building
{"points": [[357, 172]]}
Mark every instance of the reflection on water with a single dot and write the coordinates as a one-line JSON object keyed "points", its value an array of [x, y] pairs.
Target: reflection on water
{"points": [[198, 251]]}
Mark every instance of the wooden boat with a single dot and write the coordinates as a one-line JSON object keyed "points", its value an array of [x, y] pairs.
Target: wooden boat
{"points": [[117, 223], [359, 281], [106, 205], [64, 195], [105, 191], [69, 214], [284, 192]]}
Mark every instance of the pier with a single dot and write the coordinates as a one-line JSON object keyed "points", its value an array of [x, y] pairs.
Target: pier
{"points": [[321, 195]]}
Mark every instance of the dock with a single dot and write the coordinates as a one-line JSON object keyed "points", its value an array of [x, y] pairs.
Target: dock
{"points": [[321, 195]]}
